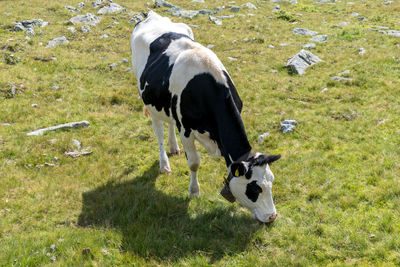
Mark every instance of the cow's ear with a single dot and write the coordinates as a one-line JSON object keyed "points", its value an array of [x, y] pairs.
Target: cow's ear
{"points": [[239, 168], [272, 158]]}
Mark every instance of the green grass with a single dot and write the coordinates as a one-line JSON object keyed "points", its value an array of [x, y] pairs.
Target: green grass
{"points": [[337, 188]]}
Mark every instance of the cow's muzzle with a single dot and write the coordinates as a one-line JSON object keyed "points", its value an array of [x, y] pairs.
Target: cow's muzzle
{"points": [[227, 194]]}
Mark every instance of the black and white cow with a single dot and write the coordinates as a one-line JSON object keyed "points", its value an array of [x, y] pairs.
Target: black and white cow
{"points": [[185, 84]]}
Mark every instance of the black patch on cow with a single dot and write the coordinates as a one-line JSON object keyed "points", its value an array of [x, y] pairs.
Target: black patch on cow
{"points": [[154, 81], [209, 106], [234, 93], [249, 173], [253, 190], [174, 104]]}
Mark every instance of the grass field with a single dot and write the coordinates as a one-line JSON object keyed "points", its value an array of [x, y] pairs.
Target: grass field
{"points": [[336, 189]]}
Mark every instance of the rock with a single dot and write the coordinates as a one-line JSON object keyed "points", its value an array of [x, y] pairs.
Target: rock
{"points": [[309, 46], [6, 124], [128, 70], [162, 3], [81, 5], [394, 33], [76, 154], [250, 5], [293, 2], [77, 143], [89, 19], [341, 79], [111, 8], [10, 59], [60, 126], [31, 23], [137, 18], [71, 29], [343, 73], [19, 27], [362, 19], [361, 51], [234, 9], [288, 126], [184, 13], [72, 9], [387, 3], [198, 1], [97, 3], [124, 60], [232, 58], [30, 31], [302, 31], [283, 44], [324, 90], [215, 20], [55, 87], [57, 41], [301, 61], [85, 29], [104, 36], [373, 236], [322, 38], [207, 12], [209, 46], [34, 105], [262, 137], [276, 8], [271, 46], [355, 14], [113, 66]]}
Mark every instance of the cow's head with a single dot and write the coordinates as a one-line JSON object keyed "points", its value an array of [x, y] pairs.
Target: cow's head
{"points": [[250, 182]]}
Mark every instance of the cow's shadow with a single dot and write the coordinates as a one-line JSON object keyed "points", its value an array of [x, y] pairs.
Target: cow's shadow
{"points": [[160, 226]]}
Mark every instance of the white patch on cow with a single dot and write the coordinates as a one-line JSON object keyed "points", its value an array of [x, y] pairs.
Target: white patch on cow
{"points": [[264, 207], [210, 145], [146, 32]]}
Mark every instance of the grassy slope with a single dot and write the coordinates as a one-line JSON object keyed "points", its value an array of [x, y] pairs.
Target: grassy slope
{"points": [[337, 184]]}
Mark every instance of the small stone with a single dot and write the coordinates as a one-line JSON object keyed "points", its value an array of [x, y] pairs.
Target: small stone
{"points": [[215, 20], [71, 29], [309, 46], [76, 154], [97, 3], [341, 79], [387, 3], [372, 236], [301, 61], [19, 27], [302, 31], [72, 9], [198, 1], [394, 33], [128, 70], [85, 29], [283, 44], [343, 73], [209, 46], [59, 100], [113, 66], [61, 126], [57, 41], [323, 90], [104, 36], [322, 38], [271, 46], [137, 18], [124, 60], [234, 9], [111, 8], [250, 5], [30, 31], [81, 5], [55, 87], [276, 8], [76, 143], [89, 18], [34, 105], [49, 164], [361, 51], [232, 58], [288, 126], [355, 14], [262, 137], [363, 19]]}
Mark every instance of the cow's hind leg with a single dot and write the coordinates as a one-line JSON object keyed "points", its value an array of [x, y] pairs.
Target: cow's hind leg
{"points": [[193, 160], [158, 128], [172, 142]]}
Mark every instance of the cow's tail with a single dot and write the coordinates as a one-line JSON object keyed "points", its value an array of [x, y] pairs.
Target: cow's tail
{"points": [[146, 112]]}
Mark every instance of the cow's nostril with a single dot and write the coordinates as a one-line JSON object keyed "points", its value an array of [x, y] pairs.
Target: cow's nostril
{"points": [[272, 217]]}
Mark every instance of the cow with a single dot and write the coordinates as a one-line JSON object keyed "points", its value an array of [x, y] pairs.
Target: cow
{"points": [[185, 85]]}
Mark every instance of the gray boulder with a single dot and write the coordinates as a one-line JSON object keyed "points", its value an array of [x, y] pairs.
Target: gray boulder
{"points": [[287, 126], [321, 38], [89, 19], [394, 33], [97, 3], [302, 31], [57, 41], [72, 9], [111, 8], [301, 61], [137, 18], [234, 9], [309, 46]]}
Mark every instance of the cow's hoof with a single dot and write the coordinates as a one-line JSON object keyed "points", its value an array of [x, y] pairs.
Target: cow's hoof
{"points": [[165, 169], [194, 194], [174, 151]]}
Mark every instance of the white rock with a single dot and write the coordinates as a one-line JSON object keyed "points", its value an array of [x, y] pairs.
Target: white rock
{"points": [[250, 5], [61, 126], [57, 41], [89, 18], [301, 61], [111, 8]]}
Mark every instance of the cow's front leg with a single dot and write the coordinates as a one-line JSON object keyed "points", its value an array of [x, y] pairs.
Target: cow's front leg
{"points": [[172, 142], [193, 160], [158, 128]]}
